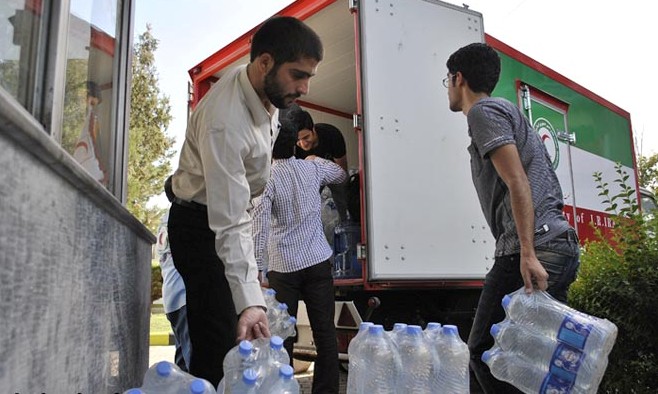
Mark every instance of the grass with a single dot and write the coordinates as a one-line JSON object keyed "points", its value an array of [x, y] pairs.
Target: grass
{"points": [[159, 323]]}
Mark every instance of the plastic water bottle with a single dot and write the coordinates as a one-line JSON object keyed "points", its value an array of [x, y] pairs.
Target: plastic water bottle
{"points": [[346, 238], [524, 375], [247, 383], [236, 361], [357, 364], [561, 359], [287, 328], [432, 331], [417, 359], [556, 320], [270, 297], [398, 330], [382, 364], [285, 383], [133, 391], [163, 377], [270, 359], [453, 355]]}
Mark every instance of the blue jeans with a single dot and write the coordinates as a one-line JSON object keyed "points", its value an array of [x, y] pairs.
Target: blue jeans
{"points": [[178, 320], [315, 285], [560, 258]]}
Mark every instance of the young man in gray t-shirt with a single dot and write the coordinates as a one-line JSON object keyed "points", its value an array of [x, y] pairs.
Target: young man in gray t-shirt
{"points": [[519, 194]]}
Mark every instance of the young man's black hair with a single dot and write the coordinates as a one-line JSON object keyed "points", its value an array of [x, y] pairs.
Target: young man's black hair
{"points": [[479, 65], [302, 42], [285, 144]]}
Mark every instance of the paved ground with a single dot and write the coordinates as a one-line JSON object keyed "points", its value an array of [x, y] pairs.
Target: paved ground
{"points": [[166, 353]]}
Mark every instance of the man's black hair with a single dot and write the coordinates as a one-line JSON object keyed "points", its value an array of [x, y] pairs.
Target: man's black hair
{"points": [[301, 120], [286, 39], [479, 65], [284, 146]]}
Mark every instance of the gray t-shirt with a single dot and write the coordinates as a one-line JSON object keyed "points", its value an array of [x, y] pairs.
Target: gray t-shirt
{"points": [[494, 122]]}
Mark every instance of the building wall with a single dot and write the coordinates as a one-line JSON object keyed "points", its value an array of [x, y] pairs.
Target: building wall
{"points": [[74, 271]]}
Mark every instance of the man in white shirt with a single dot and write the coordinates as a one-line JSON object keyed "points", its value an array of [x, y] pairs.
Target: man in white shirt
{"points": [[288, 226], [224, 162]]}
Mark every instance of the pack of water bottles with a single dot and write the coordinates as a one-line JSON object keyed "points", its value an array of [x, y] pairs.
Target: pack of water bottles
{"points": [[166, 378], [281, 323], [545, 346], [261, 366], [408, 359]]}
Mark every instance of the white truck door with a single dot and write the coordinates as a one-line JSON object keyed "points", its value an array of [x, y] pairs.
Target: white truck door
{"points": [[423, 217]]}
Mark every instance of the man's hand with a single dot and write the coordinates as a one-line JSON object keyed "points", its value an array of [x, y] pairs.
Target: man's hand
{"points": [[253, 324], [533, 271]]}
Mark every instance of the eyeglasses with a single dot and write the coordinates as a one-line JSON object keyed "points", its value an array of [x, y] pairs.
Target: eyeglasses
{"points": [[446, 80]]}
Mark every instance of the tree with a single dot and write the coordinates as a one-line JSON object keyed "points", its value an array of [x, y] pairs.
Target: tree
{"points": [[647, 170], [150, 150]]}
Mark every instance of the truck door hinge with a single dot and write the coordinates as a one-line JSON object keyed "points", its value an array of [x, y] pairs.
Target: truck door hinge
{"points": [[567, 137], [361, 252], [525, 97], [353, 5], [357, 121]]}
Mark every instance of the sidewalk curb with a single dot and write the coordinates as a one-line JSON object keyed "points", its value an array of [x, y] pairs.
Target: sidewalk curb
{"points": [[161, 339]]}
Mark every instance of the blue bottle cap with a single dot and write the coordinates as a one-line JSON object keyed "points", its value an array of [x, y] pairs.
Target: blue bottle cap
{"points": [[286, 371], [249, 376], [432, 326], [364, 325], [276, 342], [134, 391], [376, 329], [197, 386], [450, 329], [245, 347], [506, 300], [414, 330], [495, 329], [163, 368], [486, 356], [270, 292], [283, 306], [399, 326]]}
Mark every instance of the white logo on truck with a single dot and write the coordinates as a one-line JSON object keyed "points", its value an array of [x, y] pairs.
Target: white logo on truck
{"points": [[548, 136]]}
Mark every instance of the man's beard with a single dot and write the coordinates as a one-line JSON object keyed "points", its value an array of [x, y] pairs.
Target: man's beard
{"points": [[274, 92]]}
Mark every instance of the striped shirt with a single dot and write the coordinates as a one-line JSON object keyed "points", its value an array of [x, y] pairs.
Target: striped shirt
{"points": [[287, 217]]}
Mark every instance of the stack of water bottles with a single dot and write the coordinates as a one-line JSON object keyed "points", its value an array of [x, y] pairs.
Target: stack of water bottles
{"points": [[281, 323], [545, 346], [408, 359], [346, 238], [166, 378], [261, 366]]}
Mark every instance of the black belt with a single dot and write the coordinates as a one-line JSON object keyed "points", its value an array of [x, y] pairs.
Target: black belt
{"points": [[190, 204], [570, 234]]}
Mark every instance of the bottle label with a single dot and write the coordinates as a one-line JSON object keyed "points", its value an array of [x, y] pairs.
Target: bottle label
{"points": [[553, 384], [574, 332], [565, 362]]}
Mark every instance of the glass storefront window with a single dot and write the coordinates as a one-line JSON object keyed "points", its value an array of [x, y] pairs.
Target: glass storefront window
{"points": [[22, 43], [88, 127]]}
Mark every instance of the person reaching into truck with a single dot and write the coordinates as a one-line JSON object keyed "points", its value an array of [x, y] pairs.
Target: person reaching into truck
{"points": [[325, 141], [224, 163], [520, 197], [287, 228]]}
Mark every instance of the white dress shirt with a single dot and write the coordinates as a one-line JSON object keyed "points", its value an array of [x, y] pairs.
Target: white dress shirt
{"points": [[224, 163], [290, 208]]}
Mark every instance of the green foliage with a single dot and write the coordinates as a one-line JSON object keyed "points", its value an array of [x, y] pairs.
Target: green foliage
{"points": [[618, 280], [647, 171], [150, 150]]}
